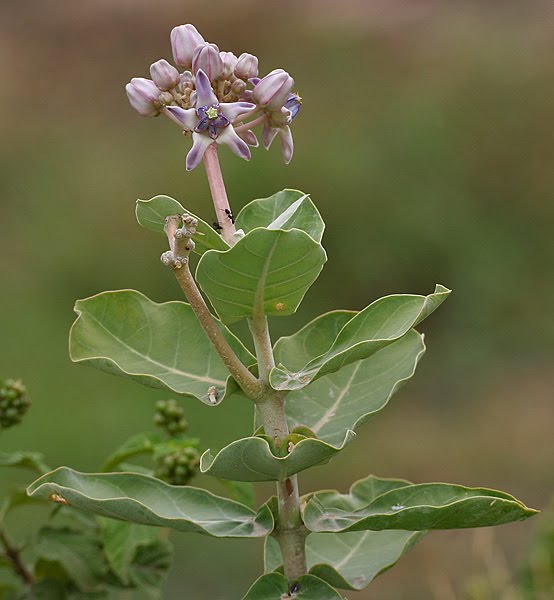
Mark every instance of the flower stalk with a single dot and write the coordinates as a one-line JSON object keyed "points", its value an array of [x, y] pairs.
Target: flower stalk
{"points": [[223, 211]]}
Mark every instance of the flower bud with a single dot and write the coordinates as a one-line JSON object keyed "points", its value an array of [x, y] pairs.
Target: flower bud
{"points": [[144, 96], [14, 403], [206, 57], [238, 86], [247, 66], [184, 40], [273, 90], [229, 63], [165, 76]]}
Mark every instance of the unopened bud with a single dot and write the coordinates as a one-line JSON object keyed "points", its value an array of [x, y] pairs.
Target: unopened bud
{"points": [[184, 40], [206, 57], [273, 90], [229, 63], [164, 75], [166, 98], [238, 86], [144, 96], [247, 66]]}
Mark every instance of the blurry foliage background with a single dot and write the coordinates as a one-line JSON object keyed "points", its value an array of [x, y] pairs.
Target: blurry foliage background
{"points": [[426, 140]]}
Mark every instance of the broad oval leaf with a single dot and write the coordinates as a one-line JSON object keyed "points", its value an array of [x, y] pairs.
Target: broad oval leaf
{"points": [[348, 561], [274, 586], [413, 507], [343, 401], [148, 501], [265, 272], [141, 443], [380, 324], [288, 209], [152, 213], [251, 459], [161, 345]]}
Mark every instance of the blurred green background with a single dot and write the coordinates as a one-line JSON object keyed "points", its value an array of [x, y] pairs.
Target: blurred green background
{"points": [[426, 140]]}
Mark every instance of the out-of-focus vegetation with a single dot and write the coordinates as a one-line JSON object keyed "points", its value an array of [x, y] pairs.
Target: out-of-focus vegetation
{"points": [[426, 141]]}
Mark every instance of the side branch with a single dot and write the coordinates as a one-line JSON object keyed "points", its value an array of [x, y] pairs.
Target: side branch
{"points": [[177, 259], [14, 557]]}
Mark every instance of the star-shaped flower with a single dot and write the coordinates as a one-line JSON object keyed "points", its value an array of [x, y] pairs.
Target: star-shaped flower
{"points": [[211, 122]]}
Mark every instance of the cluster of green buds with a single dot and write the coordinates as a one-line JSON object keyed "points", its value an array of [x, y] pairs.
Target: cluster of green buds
{"points": [[170, 417], [14, 402], [179, 466]]}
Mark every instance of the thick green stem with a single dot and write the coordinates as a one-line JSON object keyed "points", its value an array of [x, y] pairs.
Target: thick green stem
{"points": [[290, 531]]}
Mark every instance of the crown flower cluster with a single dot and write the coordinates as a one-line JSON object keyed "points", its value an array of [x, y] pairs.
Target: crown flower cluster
{"points": [[217, 97]]}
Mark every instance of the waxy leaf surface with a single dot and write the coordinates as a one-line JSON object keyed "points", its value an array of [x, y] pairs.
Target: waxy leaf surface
{"points": [[414, 507], [288, 209], [152, 214], [251, 459], [265, 272], [275, 586], [380, 324], [148, 501], [352, 560], [160, 345]]}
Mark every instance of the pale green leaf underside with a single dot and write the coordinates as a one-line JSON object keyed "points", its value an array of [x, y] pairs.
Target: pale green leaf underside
{"points": [[411, 507], [148, 501], [380, 324], [160, 345], [275, 586], [348, 561], [343, 401], [251, 459], [288, 209], [265, 272], [152, 213]]}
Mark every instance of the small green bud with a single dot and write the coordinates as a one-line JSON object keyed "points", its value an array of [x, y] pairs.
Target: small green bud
{"points": [[14, 402], [178, 467], [170, 417]]}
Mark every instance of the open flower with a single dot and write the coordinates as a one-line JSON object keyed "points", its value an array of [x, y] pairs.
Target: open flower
{"points": [[211, 122]]}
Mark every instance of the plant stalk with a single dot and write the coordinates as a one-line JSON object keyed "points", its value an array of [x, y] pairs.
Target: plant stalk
{"points": [[219, 194], [14, 556]]}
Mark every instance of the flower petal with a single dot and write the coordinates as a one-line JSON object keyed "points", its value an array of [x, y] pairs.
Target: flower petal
{"points": [[268, 135], [187, 117], [239, 147], [249, 137], [287, 143], [232, 110], [204, 94], [200, 142], [202, 125]]}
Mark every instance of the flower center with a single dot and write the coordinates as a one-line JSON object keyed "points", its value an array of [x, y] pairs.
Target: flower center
{"points": [[212, 113]]}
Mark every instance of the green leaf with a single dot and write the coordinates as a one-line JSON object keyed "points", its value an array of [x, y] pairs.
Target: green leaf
{"points": [[152, 214], [77, 553], [380, 324], [352, 560], [289, 209], [121, 543], [148, 501], [411, 507], [141, 443], [240, 491], [160, 345], [24, 460], [252, 459], [265, 272], [275, 586], [14, 498], [335, 405], [150, 567]]}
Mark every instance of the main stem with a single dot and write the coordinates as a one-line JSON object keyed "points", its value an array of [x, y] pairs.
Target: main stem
{"points": [[290, 531]]}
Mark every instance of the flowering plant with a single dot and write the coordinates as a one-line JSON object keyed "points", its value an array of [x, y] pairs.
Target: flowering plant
{"points": [[311, 391]]}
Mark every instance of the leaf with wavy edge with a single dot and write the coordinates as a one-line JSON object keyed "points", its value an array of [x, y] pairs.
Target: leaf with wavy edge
{"points": [[152, 213], [288, 209], [414, 507], [275, 586], [251, 459], [148, 501], [265, 272], [352, 560], [380, 324], [125, 333]]}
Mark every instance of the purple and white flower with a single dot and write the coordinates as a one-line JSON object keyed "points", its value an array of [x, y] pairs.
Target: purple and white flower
{"points": [[164, 75], [184, 40], [273, 90], [144, 96], [208, 59], [211, 122]]}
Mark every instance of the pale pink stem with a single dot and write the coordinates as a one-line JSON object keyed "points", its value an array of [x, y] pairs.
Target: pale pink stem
{"points": [[219, 194], [247, 126]]}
